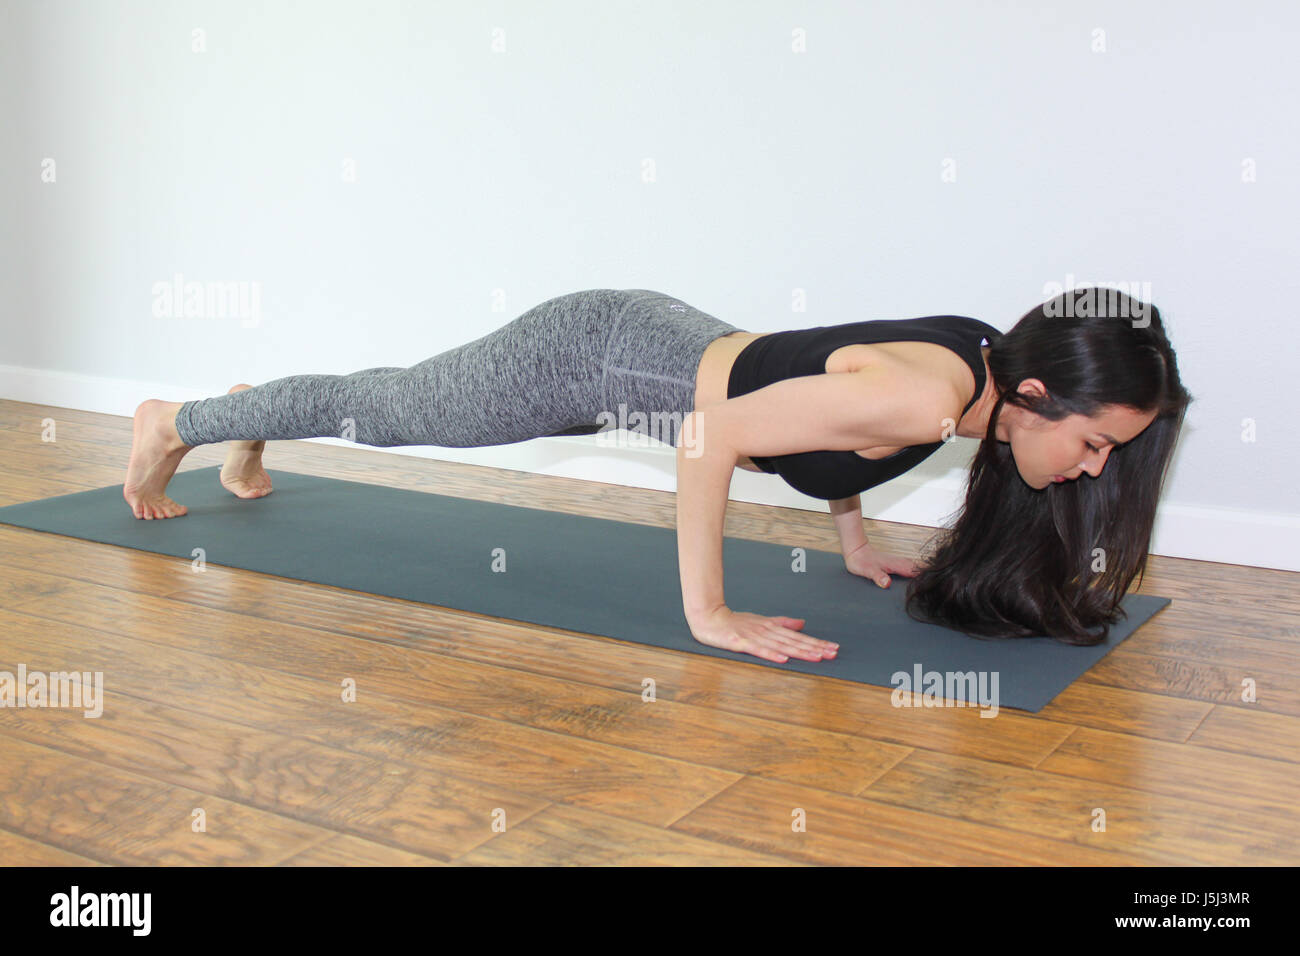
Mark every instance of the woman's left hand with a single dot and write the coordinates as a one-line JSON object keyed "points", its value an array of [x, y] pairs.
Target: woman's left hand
{"points": [[877, 565]]}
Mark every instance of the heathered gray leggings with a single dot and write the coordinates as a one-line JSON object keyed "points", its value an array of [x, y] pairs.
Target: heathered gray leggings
{"points": [[574, 365]]}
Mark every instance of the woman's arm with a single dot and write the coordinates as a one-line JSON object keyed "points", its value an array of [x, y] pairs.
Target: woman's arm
{"points": [[703, 485], [859, 556], [847, 513], [799, 414], [704, 468], [833, 412]]}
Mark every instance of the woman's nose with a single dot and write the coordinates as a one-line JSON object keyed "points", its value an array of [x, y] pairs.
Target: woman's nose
{"points": [[1095, 462]]}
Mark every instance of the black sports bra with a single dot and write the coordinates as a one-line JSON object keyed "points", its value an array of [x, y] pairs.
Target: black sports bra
{"points": [[782, 355]]}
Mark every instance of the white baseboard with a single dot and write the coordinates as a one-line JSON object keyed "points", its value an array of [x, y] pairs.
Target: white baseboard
{"points": [[926, 496]]}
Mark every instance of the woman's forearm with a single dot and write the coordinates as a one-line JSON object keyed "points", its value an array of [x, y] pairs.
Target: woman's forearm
{"points": [[704, 470], [847, 513]]}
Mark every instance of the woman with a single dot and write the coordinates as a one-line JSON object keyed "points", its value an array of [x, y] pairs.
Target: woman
{"points": [[834, 410]]}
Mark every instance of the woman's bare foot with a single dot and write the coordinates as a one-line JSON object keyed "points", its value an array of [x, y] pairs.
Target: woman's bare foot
{"points": [[243, 473], [156, 450]]}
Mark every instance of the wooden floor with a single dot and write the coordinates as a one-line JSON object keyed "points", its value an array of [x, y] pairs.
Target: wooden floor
{"points": [[222, 696]]}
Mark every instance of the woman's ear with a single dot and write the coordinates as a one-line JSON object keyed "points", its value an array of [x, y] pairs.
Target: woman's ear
{"points": [[1032, 387]]}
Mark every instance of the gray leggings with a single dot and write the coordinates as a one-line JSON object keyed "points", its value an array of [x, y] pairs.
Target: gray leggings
{"points": [[574, 365]]}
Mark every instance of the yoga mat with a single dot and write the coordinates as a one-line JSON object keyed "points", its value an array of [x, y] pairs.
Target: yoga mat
{"points": [[592, 575]]}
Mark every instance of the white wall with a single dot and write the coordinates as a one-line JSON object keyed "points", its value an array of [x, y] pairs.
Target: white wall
{"points": [[488, 180]]}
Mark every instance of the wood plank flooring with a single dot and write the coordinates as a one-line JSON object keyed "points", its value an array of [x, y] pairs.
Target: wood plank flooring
{"points": [[480, 741]]}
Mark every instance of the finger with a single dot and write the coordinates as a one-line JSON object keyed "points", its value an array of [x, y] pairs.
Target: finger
{"points": [[801, 646], [794, 632], [903, 567], [804, 653], [800, 639], [760, 648], [872, 573]]}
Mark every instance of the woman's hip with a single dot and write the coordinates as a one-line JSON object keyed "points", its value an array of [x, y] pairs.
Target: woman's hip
{"points": [[592, 360], [655, 346]]}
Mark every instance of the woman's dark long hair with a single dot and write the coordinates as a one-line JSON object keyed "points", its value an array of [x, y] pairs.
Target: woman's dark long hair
{"points": [[1021, 561]]}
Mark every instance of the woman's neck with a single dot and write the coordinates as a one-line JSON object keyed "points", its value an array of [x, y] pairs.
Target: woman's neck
{"points": [[975, 423]]}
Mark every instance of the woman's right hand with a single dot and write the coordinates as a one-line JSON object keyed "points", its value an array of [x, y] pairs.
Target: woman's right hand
{"points": [[771, 638]]}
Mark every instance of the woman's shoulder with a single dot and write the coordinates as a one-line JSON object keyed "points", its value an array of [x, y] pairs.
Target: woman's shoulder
{"points": [[923, 364]]}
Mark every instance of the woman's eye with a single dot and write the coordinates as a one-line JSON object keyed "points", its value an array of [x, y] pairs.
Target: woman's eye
{"points": [[1090, 447]]}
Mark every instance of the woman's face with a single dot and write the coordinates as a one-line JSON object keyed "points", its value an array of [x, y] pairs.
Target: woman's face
{"points": [[1047, 451]]}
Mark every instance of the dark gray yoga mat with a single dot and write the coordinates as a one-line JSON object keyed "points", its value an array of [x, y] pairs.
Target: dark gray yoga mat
{"points": [[593, 575]]}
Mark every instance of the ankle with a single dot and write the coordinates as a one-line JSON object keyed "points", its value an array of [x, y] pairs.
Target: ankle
{"points": [[171, 436]]}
